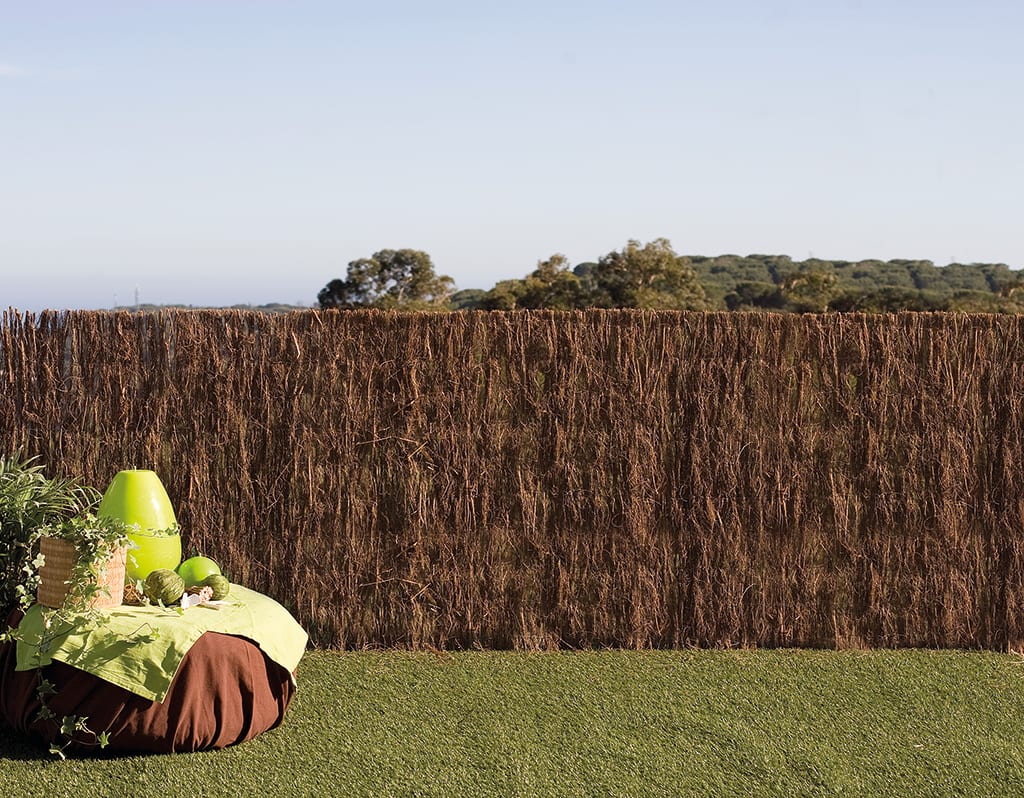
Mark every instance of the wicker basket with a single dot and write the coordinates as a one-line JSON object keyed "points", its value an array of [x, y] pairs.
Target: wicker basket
{"points": [[56, 572]]}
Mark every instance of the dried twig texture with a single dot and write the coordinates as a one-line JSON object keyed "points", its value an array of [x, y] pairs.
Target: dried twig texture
{"points": [[578, 479]]}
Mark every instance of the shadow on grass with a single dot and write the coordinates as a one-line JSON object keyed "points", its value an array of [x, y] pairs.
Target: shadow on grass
{"points": [[17, 746]]}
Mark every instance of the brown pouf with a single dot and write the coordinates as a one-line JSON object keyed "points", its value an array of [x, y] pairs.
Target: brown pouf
{"points": [[224, 692]]}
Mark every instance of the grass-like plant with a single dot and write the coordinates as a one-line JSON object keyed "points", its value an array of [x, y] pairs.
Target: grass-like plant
{"points": [[29, 500], [603, 723]]}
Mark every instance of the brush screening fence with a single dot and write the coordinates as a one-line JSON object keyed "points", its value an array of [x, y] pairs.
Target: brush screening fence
{"points": [[563, 479]]}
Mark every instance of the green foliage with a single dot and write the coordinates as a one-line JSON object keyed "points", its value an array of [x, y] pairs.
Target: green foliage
{"points": [[653, 276], [872, 286], [467, 299], [33, 506], [551, 285], [886, 300], [723, 274], [809, 290], [755, 296], [95, 539], [30, 500], [649, 276], [390, 278], [504, 296]]}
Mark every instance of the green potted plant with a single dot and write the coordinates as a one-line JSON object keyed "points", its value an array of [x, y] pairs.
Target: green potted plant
{"points": [[29, 500], [82, 563], [78, 570]]}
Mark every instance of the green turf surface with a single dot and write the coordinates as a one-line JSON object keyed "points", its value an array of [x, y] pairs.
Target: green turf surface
{"points": [[615, 723]]}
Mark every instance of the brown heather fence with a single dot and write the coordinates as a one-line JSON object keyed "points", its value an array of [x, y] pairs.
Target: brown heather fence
{"points": [[540, 479]]}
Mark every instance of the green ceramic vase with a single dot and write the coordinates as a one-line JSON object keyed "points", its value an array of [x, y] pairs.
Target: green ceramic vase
{"points": [[138, 497]]}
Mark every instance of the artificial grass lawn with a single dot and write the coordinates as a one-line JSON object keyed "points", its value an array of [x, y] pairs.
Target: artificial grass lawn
{"points": [[601, 723]]}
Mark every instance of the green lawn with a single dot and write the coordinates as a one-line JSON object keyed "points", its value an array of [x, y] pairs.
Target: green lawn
{"points": [[602, 723]]}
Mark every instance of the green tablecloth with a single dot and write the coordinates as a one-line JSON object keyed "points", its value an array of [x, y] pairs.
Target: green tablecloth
{"points": [[140, 648]]}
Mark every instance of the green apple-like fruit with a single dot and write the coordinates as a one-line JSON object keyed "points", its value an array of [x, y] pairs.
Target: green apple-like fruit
{"points": [[195, 569]]}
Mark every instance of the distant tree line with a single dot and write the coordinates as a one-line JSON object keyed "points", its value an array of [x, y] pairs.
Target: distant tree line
{"points": [[653, 276]]}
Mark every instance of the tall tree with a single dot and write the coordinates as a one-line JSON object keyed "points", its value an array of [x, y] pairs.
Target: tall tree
{"points": [[402, 278], [552, 285], [809, 291], [467, 299], [648, 276], [505, 295]]}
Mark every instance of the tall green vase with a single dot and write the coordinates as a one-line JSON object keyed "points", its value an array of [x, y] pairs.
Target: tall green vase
{"points": [[138, 497]]}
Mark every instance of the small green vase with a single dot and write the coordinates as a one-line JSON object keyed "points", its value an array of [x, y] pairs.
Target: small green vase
{"points": [[138, 497]]}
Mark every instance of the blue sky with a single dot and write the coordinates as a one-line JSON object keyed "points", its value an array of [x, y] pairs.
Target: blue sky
{"points": [[222, 152]]}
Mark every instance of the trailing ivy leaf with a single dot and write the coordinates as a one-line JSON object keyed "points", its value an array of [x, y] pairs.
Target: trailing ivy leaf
{"points": [[44, 713], [33, 507], [103, 739]]}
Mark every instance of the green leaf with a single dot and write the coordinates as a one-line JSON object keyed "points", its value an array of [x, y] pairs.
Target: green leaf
{"points": [[103, 738], [56, 750], [43, 714], [45, 688]]}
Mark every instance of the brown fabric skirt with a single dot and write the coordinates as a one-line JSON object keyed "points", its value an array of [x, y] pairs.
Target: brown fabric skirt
{"points": [[226, 690]]}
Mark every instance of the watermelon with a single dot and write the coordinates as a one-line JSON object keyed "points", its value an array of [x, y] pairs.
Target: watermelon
{"points": [[163, 585], [218, 584]]}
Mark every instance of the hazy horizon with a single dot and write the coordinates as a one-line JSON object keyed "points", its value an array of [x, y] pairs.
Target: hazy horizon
{"points": [[220, 153]]}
